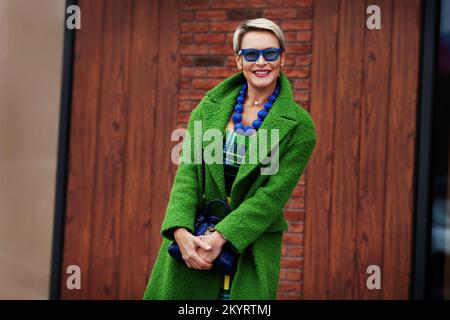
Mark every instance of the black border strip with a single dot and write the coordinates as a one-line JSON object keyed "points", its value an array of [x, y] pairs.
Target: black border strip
{"points": [[62, 165], [422, 210]]}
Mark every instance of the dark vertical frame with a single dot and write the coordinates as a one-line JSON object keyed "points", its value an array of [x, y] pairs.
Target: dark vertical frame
{"points": [[62, 164], [422, 213]]}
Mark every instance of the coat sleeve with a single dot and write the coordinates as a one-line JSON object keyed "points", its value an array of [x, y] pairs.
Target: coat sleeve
{"points": [[184, 196], [255, 215]]}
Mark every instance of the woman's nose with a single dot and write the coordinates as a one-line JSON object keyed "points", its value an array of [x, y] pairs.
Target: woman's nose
{"points": [[261, 60]]}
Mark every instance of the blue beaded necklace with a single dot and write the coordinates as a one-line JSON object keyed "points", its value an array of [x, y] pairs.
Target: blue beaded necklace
{"points": [[262, 114]]}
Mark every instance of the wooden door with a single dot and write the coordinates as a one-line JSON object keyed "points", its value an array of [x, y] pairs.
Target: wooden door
{"points": [[360, 180], [120, 171]]}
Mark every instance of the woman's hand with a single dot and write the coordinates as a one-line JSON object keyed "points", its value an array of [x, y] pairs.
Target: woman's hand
{"points": [[216, 241], [188, 245]]}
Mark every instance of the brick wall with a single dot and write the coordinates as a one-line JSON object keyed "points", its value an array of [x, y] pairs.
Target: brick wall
{"points": [[206, 51]]}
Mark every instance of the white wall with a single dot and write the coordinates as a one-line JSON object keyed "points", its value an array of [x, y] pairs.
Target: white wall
{"points": [[31, 48]]}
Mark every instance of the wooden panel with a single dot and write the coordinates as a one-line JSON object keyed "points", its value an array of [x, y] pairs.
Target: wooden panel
{"points": [[168, 71], [110, 161], [346, 151], [372, 159], [123, 112], [317, 224], [83, 135], [140, 146], [401, 149], [360, 178]]}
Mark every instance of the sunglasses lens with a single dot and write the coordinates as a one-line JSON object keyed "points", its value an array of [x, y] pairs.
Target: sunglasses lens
{"points": [[251, 55], [271, 55]]}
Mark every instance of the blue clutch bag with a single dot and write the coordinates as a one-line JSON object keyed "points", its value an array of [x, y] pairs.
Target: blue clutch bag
{"points": [[226, 262]]}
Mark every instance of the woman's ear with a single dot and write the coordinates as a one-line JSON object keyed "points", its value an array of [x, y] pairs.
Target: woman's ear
{"points": [[238, 61], [283, 57]]}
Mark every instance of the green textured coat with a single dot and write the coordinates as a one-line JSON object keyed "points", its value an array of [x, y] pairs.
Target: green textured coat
{"points": [[255, 226]]}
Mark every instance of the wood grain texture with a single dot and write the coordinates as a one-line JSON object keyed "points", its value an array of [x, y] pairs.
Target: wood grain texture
{"points": [[346, 138], [360, 180], [372, 158], [397, 254], [110, 161], [320, 166], [123, 113], [83, 143]]}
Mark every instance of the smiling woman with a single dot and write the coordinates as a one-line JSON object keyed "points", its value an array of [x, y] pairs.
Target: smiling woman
{"points": [[259, 96]]}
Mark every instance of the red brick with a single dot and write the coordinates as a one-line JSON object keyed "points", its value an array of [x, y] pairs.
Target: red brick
{"points": [[229, 38], [297, 3], [297, 72], [301, 96], [190, 95], [302, 84], [283, 250], [300, 48], [186, 61], [297, 202], [195, 26], [304, 36], [281, 295], [195, 4], [221, 72], [185, 83], [289, 61], [228, 26], [290, 36], [296, 25], [210, 15], [187, 38], [187, 15], [293, 296], [296, 227], [231, 61], [192, 72], [205, 83], [293, 238], [293, 275], [282, 274], [299, 191], [303, 178], [303, 60], [294, 215], [295, 251], [221, 49], [280, 13], [228, 4], [231, 4], [185, 106], [242, 14], [305, 105], [193, 49], [288, 286], [180, 125], [304, 13], [183, 117], [291, 262], [209, 37]]}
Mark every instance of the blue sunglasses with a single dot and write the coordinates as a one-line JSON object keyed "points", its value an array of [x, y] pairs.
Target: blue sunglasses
{"points": [[252, 55]]}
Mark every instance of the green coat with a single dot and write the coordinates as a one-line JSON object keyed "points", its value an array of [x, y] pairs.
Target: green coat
{"points": [[256, 225]]}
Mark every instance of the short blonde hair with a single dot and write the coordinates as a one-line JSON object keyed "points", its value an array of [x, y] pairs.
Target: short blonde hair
{"points": [[260, 24]]}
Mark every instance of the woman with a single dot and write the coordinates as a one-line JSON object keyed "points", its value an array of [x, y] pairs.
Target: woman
{"points": [[258, 97]]}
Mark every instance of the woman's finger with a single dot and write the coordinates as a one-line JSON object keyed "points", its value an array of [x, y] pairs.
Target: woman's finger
{"points": [[198, 262], [199, 242]]}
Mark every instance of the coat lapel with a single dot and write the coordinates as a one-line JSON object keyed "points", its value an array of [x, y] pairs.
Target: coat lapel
{"points": [[217, 110]]}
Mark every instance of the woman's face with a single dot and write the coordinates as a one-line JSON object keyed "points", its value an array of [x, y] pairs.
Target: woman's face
{"points": [[269, 70]]}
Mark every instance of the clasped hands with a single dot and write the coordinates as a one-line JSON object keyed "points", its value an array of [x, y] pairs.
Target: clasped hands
{"points": [[199, 251]]}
